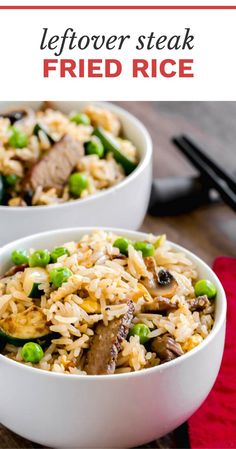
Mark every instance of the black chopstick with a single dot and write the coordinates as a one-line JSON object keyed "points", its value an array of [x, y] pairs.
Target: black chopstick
{"points": [[217, 169], [210, 171]]}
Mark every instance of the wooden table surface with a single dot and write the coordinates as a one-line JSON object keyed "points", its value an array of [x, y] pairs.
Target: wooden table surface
{"points": [[209, 231]]}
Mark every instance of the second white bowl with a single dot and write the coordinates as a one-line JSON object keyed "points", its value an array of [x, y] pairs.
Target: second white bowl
{"points": [[123, 205]]}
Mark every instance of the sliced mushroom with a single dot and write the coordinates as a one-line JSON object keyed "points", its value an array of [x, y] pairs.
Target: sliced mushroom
{"points": [[14, 116], [28, 196], [159, 304], [13, 270], [162, 282], [166, 348], [199, 303]]}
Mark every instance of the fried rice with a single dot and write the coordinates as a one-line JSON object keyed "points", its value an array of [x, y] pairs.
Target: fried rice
{"points": [[41, 130], [102, 282]]}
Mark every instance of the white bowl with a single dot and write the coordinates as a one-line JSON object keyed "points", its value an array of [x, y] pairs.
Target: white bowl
{"points": [[123, 205], [124, 410]]}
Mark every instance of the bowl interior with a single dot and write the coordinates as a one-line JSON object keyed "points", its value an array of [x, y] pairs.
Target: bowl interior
{"points": [[131, 127]]}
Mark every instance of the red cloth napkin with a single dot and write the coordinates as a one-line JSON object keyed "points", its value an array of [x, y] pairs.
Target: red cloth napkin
{"points": [[214, 424]]}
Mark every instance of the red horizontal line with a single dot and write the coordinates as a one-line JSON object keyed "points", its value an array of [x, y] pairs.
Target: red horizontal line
{"points": [[142, 7]]}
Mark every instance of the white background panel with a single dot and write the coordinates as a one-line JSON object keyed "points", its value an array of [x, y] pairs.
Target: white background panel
{"points": [[214, 65]]}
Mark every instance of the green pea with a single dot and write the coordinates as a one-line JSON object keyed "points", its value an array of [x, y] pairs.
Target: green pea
{"points": [[11, 180], [32, 352], [122, 244], [77, 183], [18, 138], [19, 257], [205, 287], [80, 119], [95, 146], [58, 252], [146, 248], [142, 331], [59, 275], [39, 258]]}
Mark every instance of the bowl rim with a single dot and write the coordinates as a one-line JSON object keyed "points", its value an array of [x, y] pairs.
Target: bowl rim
{"points": [[144, 161], [217, 326]]}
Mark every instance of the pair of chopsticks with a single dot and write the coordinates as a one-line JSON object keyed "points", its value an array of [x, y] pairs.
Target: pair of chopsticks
{"points": [[211, 172]]}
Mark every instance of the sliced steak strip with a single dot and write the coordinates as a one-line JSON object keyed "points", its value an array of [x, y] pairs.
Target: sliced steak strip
{"points": [[199, 303], [159, 304], [56, 166], [106, 343], [166, 348]]}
